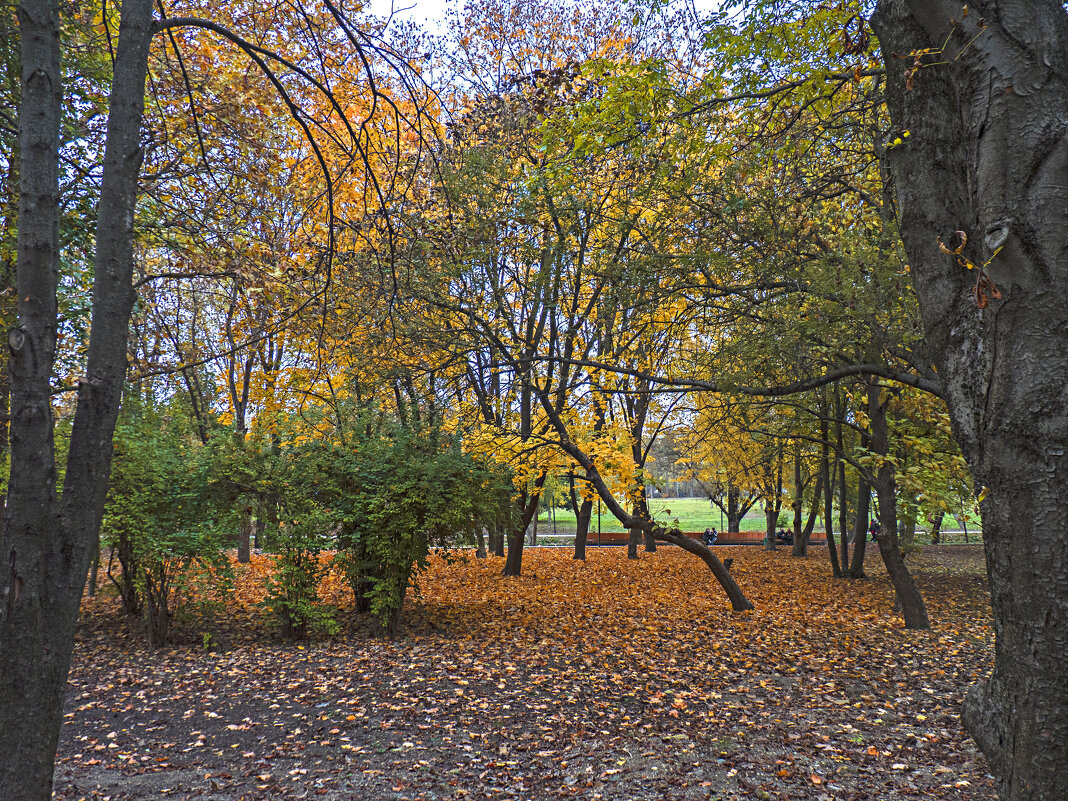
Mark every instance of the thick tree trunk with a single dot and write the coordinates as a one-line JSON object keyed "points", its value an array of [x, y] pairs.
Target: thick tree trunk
{"points": [[513, 566], [45, 542], [735, 509], [987, 155]]}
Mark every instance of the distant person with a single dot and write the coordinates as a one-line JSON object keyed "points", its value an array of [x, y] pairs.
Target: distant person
{"points": [[874, 530], [711, 536]]}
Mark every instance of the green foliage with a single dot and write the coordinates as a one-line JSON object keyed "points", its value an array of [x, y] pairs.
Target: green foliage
{"points": [[161, 516], [415, 488], [293, 589]]}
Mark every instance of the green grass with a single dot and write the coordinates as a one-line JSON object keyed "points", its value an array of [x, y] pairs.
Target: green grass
{"points": [[697, 514], [692, 514]]}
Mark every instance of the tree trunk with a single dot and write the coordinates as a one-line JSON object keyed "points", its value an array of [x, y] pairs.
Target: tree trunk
{"points": [[480, 541], [913, 609], [987, 155], [641, 509], [735, 509], [771, 517], [796, 501], [801, 539], [46, 543], [582, 527], [513, 566], [94, 568], [737, 598], [244, 537], [826, 472], [860, 529], [843, 485], [936, 527]]}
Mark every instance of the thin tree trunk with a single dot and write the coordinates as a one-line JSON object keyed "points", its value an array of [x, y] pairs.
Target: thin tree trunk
{"points": [[582, 527], [828, 503], [936, 527], [843, 485], [860, 529], [244, 537], [796, 501], [913, 609], [801, 540], [94, 568]]}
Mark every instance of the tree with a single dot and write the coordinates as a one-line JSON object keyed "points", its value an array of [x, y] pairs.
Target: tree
{"points": [[47, 537], [978, 96]]}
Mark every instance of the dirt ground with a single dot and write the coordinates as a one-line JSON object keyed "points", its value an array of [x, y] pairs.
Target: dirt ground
{"points": [[609, 680]]}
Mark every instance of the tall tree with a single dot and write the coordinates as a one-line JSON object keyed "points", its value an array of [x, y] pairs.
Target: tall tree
{"points": [[47, 537], [978, 96]]}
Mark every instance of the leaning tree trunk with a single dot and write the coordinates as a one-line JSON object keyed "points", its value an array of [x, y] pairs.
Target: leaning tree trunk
{"points": [[737, 598], [913, 609], [46, 541], [986, 158]]}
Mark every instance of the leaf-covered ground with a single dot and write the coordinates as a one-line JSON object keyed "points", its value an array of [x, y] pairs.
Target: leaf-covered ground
{"points": [[609, 679]]}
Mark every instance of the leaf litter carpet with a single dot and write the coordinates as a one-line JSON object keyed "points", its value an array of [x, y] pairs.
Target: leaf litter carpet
{"points": [[610, 679]]}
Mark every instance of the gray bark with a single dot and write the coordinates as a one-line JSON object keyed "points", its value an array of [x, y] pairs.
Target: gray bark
{"points": [[46, 540], [909, 600], [987, 155]]}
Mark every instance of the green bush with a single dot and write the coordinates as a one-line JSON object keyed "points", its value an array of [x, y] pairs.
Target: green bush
{"points": [[293, 589], [161, 516]]}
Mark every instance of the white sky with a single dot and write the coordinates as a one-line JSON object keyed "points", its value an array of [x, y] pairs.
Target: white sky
{"points": [[430, 14], [427, 13]]}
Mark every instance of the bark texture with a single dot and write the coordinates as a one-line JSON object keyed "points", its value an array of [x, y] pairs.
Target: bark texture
{"points": [[987, 155], [46, 540]]}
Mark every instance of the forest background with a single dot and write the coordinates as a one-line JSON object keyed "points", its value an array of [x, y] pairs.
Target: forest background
{"points": [[391, 290]]}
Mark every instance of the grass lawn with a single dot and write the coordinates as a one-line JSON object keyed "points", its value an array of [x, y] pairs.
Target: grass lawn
{"points": [[692, 514], [697, 514], [605, 680]]}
